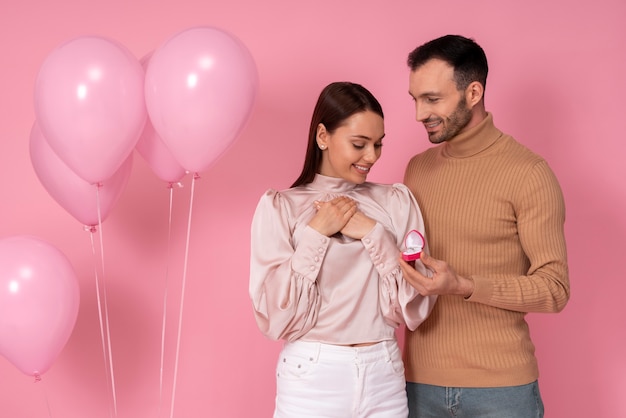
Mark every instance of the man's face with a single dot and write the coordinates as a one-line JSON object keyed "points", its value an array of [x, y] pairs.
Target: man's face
{"points": [[438, 104]]}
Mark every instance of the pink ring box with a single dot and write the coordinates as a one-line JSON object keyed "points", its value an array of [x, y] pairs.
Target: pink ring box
{"points": [[414, 243]]}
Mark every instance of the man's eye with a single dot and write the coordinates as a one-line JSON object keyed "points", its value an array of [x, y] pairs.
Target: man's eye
{"points": [[432, 99]]}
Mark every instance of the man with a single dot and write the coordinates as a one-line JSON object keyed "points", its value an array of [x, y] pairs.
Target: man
{"points": [[494, 216]]}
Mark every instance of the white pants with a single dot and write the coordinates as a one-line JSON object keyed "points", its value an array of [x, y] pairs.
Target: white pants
{"points": [[330, 381]]}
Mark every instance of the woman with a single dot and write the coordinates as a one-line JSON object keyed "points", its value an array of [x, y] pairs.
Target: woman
{"points": [[324, 271]]}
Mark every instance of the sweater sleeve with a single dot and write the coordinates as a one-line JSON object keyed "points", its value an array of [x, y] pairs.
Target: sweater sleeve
{"points": [[283, 285], [540, 212], [399, 301]]}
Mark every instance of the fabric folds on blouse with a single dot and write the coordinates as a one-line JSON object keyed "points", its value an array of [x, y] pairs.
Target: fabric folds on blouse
{"points": [[335, 290]]}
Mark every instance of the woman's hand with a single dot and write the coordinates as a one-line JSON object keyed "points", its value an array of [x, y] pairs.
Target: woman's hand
{"points": [[358, 226], [333, 216]]}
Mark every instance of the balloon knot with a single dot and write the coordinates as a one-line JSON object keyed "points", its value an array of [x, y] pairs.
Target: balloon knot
{"points": [[90, 228], [37, 377], [171, 185]]}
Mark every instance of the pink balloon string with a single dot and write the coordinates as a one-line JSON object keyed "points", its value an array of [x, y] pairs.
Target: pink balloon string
{"points": [[182, 293], [37, 377], [170, 186], [103, 307]]}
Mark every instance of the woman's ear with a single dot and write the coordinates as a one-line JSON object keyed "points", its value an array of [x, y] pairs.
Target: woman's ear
{"points": [[322, 136]]}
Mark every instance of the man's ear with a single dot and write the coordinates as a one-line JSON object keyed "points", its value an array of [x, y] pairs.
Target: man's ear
{"points": [[474, 93]]}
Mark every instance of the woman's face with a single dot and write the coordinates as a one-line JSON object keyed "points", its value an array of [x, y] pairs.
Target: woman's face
{"points": [[353, 148]]}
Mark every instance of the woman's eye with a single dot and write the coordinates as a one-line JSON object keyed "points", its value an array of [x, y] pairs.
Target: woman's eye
{"points": [[358, 146]]}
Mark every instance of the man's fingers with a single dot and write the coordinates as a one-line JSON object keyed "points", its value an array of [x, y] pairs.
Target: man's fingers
{"points": [[428, 261]]}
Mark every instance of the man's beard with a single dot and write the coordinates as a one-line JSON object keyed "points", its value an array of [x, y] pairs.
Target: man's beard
{"points": [[453, 123]]}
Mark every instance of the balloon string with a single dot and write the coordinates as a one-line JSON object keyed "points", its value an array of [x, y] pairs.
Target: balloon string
{"points": [[45, 395], [182, 294], [92, 230], [169, 235], [106, 309]]}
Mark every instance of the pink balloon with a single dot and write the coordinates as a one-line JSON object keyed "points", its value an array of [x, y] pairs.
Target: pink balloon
{"points": [[160, 159], [152, 148], [76, 195], [200, 87], [89, 103], [39, 301]]}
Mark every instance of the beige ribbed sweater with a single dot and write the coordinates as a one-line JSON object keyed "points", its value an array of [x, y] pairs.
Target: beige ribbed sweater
{"points": [[494, 211]]}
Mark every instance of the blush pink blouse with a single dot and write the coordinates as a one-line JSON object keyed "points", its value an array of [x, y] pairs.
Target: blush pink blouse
{"points": [[335, 290]]}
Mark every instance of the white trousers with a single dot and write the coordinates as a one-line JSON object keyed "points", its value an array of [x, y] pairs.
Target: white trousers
{"points": [[330, 381]]}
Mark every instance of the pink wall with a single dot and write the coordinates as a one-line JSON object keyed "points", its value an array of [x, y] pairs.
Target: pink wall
{"points": [[557, 83]]}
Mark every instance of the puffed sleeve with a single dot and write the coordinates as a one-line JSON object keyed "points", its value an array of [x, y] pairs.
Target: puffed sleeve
{"points": [[400, 302], [283, 285]]}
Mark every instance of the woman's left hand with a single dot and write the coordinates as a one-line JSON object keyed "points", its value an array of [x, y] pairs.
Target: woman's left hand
{"points": [[358, 226]]}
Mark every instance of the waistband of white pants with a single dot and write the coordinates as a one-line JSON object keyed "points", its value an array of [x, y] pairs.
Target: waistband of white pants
{"points": [[384, 350]]}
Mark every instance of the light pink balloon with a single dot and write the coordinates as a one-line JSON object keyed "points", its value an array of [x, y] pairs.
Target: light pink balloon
{"points": [[200, 88], [89, 103], [39, 301], [160, 159], [76, 195], [152, 148]]}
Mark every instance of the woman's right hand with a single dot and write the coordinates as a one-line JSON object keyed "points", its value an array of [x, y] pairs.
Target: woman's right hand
{"points": [[332, 215]]}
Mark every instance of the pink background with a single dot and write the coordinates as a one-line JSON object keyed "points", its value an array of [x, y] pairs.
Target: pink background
{"points": [[556, 83]]}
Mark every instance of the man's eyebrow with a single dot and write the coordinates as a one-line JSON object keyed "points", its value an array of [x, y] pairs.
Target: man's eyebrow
{"points": [[426, 93]]}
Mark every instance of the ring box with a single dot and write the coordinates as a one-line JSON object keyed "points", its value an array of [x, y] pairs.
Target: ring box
{"points": [[414, 244]]}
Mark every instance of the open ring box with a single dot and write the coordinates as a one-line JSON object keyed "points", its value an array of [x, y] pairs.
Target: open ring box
{"points": [[414, 243]]}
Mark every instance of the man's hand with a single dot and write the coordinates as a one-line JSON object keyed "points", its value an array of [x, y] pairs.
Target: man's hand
{"points": [[444, 281]]}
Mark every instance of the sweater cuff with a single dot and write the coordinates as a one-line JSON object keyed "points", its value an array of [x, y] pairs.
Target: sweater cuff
{"points": [[483, 290]]}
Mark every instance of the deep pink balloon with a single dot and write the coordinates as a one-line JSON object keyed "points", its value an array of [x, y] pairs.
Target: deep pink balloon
{"points": [[152, 148], [39, 301], [89, 103], [76, 195], [200, 88]]}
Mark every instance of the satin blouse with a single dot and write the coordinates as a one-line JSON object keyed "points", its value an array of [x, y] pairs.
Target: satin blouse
{"points": [[335, 290]]}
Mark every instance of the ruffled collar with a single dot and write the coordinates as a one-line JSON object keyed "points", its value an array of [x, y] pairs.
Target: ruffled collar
{"points": [[474, 141], [331, 184]]}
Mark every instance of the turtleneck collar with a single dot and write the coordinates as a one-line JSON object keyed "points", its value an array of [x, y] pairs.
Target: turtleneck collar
{"points": [[331, 184], [473, 141]]}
